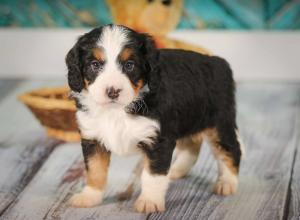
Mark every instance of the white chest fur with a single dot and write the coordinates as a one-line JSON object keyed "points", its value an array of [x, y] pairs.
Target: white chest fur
{"points": [[118, 131]]}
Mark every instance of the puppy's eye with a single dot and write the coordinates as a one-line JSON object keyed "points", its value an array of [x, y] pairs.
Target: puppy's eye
{"points": [[129, 66], [96, 65]]}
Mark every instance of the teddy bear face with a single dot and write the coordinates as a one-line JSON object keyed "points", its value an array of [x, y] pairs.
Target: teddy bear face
{"points": [[157, 17]]}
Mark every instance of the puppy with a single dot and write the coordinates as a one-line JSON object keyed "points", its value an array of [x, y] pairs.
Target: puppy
{"points": [[133, 98]]}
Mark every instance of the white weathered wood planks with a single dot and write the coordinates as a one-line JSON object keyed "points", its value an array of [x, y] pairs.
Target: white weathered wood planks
{"points": [[18, 164], [293, 202], [269, 122], [47, 194], [23, 144]]}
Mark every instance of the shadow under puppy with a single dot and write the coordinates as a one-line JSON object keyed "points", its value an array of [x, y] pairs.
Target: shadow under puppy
{"points": [[133, 98]]}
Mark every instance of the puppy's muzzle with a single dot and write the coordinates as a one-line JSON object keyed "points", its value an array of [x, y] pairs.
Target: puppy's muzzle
{"points": [[113, 93]]}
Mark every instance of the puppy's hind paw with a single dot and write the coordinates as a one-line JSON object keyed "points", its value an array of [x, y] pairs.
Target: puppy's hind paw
{"points": [[225, 187], [176, 174], [89, 197]]}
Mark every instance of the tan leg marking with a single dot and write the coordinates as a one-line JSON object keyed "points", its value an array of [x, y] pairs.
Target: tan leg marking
{"points": [[97, 169], [96, 177], [227, 181], [154, 188], [186, 152]]}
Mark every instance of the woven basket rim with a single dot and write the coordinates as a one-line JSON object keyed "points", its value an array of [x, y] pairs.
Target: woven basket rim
{"points": [[35, 99]]}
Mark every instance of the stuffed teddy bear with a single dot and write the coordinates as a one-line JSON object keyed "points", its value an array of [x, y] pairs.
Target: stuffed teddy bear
{"points": [[156, 17]]}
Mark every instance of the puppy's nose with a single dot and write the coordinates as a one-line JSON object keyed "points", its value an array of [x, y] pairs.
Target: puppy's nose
{"points": [[113, 93]]}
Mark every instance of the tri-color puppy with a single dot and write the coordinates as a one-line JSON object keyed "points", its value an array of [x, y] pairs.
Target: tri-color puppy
{"points": [[133, 98]]}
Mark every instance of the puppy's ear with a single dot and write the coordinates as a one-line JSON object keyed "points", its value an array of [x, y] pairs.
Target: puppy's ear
{"points": [[150, 51], [75, 78], [151, 54]]}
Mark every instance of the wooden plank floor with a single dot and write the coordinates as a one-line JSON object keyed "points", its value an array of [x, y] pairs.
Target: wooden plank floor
{"points": [[39, 174]]}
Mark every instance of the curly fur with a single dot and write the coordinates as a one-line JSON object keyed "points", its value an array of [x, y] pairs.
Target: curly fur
{"points": [[178, 94]]}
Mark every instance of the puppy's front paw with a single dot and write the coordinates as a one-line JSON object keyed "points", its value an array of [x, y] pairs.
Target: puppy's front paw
{"points": [[147, 206], [88, 197], [226, 187]]}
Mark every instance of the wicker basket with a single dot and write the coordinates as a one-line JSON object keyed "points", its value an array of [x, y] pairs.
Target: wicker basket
{"points": [[55, 111]]}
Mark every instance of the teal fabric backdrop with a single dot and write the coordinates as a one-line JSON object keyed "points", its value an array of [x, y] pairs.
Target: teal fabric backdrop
{"points": [[198, 14]]}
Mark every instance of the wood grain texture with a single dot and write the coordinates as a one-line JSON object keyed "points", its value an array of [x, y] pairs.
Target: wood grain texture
{"points": [[18, 164], [293, 202], [23, 145], [269, 123], [48, 192], [266, 119]]}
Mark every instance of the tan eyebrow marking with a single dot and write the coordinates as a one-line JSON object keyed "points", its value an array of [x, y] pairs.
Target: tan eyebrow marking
{"points": [[98, 54], [125, 54]]}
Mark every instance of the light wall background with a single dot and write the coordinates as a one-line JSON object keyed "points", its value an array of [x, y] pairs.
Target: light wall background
{"points": [[260, 38]]}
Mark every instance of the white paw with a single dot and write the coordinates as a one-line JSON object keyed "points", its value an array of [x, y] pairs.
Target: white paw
{"points": [[175, 174], [88, 197], [226, 187], [147, 206], [182, 165]]}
